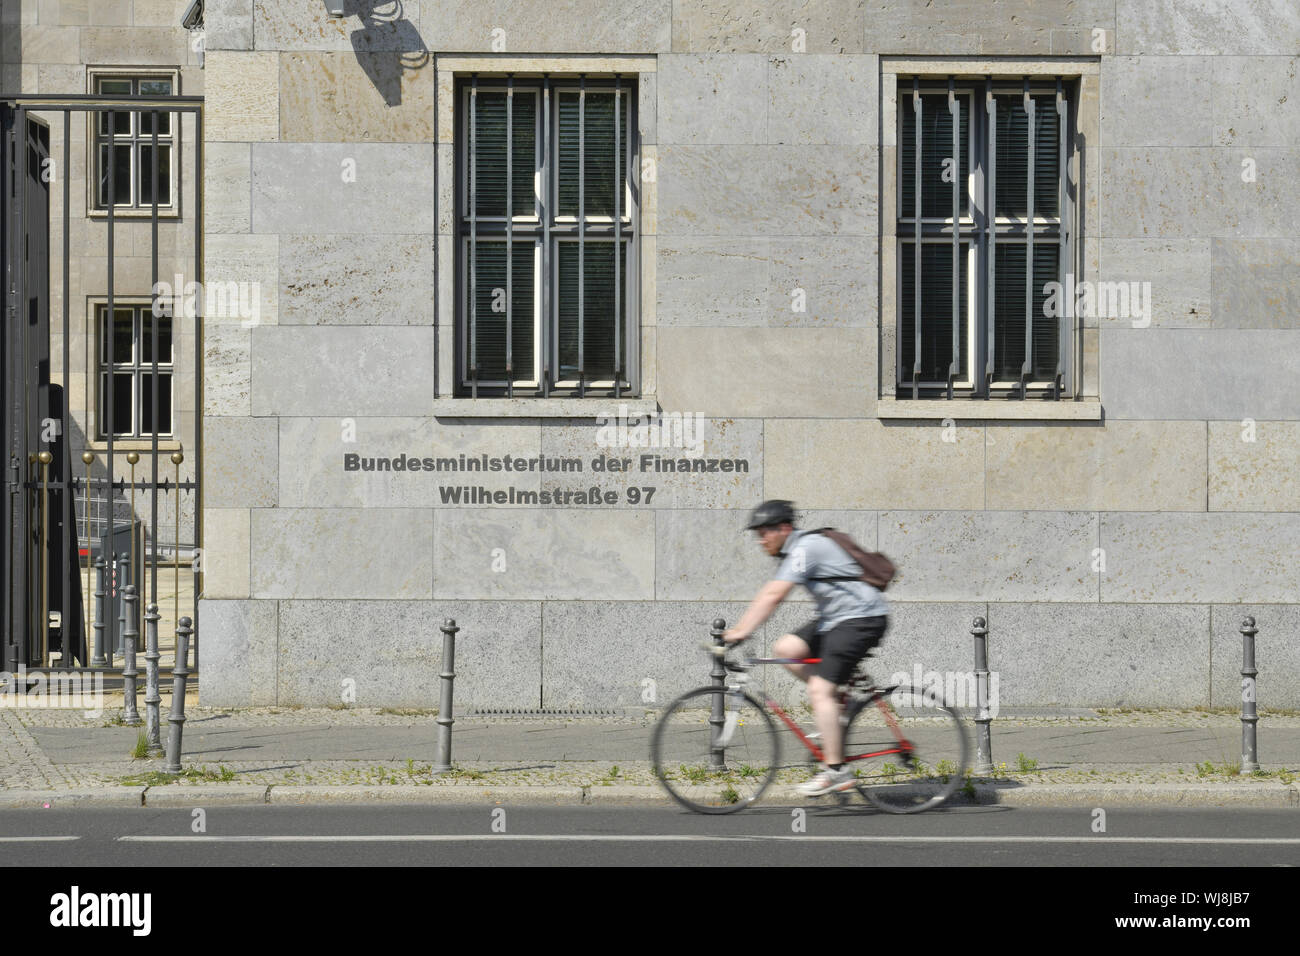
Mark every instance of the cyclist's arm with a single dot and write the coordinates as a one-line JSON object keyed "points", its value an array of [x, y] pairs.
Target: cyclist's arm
{"points": [[772, 594]]}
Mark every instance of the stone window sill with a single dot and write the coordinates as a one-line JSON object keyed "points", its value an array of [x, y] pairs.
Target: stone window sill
{"points": [[1087, 410], [542, 407]]}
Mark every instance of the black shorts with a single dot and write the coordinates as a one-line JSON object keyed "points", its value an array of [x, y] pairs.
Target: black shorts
{"points": [[843, 645]]}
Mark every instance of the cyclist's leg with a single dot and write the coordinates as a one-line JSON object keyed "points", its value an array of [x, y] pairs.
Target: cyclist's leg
{"points": [[804, 642], [844, 646]]}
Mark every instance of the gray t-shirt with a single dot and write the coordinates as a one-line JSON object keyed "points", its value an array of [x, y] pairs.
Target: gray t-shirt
{"points": [[805, 556]]}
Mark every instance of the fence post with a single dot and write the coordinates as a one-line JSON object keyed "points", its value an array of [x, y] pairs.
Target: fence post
{"points": [[152, 698], [718, 679], [99, 660], [983, 732], [448, 677], [177, 716], [130, 716], [1249, 718]]}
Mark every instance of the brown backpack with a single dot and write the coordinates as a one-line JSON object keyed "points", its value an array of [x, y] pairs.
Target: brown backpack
{"points": [[877, 570]]}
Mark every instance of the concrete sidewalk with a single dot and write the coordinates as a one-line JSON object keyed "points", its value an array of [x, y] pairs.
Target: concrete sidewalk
{"points": [[281, 755]]}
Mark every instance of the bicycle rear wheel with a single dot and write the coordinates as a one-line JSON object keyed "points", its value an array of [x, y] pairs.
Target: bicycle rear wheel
{"points": [[713, 765], [917, 772]]}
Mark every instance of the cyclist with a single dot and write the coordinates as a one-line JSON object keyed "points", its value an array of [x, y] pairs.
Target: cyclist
{"points": [[851, 619]]}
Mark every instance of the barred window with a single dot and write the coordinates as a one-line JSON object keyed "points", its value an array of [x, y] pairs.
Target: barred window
{"points": [[985, 228], [546, 224], [131, 140], [126, 364]]}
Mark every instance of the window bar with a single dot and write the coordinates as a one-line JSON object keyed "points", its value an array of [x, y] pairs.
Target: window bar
{"points": [[955, 112], [582, 224], [1027, 366], [510, 225], [1064, 334], [991, 107], [66, 415], [198, 368], [473, 237], [618, 236], [549, 192], [153, 390], [916, 221], [106, 544]]}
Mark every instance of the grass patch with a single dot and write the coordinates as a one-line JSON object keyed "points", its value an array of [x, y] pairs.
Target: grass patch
{"points": [[158, 778], [409, 711], [1025, 764], [730, 795], [141, 749]]}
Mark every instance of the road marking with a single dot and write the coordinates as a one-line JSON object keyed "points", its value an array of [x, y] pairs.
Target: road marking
{"points": [[697, 838], [38, 839]]}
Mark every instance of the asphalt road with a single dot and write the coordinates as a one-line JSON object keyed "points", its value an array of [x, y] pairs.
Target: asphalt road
{"points": [[395, 835]]}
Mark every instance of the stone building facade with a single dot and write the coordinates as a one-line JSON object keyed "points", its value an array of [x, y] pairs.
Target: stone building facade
{"points": [[1113, 536]]}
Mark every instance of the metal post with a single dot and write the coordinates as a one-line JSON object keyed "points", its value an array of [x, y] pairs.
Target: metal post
{"points": [[130, 716], [152, 699], [718, 679], [1249, 756], [99, 660], [983, 734], [448, 676], [177, 716], [117, 581]]}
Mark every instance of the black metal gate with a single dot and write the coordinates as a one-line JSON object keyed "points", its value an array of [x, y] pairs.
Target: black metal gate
{"points": [[45, 586]]}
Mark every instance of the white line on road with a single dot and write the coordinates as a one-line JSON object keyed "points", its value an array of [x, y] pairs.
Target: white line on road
{"points": [[697, 838], [38, 839]]}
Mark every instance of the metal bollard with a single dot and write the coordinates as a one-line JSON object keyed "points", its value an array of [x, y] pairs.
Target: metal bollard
{"points": [[130, 716], [717, 678], [152, 698], [983, 732], [99, 660], [448, 677], [1249, 757], [117, 594], [177, 716]]}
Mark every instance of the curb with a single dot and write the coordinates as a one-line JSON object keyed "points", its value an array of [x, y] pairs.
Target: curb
{"points": [[219, 796], [398, 793], [59, 799]]}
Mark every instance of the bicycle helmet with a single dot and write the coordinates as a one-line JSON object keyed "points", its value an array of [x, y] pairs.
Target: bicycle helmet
{"points": [[769, 513]]}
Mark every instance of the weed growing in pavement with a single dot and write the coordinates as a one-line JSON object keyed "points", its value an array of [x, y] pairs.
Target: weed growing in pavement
{"points": [[1025, 764], [409, 711], [141, 751], [730, 795]]}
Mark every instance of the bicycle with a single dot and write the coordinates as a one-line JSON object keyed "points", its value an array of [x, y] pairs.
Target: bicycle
{"points": [[716, 749]]}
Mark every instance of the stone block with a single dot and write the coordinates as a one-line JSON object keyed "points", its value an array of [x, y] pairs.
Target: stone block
{"points": [[342, 553], [357, 280], [549, 555], [637, 26], [228, 24], [243, 266], [162, 46], [1178, 271], [1277, 659], [993, 555], [1256, 101], [822, 99], [340, 370], [1121, 466], [647, 106], [242, 98], [1018, 27], [625, 654], [297, 25], [730, 372], [727, 26], [36, 45], [227, 544], [1254, 283], [1245, 27], [312, 459], [767, 190], [227, 371], [1156, 101], [1254, 466], [227, 184], [497, 653], [868, 464], [240, 653], [1204, 558], [678, 438], [1091, 655], [837, 276], [711, 281], [1163, 373], [342, 188], [712, 99], [240, 458], [362, 97]]}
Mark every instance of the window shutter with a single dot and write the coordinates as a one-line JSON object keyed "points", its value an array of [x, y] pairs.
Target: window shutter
{"points": [[490, 152], [600, 173], [936, 147], [601, 321], [490, 332]]}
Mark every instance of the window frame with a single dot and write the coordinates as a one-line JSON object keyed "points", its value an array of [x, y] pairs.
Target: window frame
{"points": [[546, 230], [105, 368], [137, 140]]}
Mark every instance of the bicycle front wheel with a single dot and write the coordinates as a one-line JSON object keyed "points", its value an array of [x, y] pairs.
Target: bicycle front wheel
{"points": [[714, 750], [908, 750]]}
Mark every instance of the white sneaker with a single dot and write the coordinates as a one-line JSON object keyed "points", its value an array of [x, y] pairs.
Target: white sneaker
{"points": [[827, 781]]}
